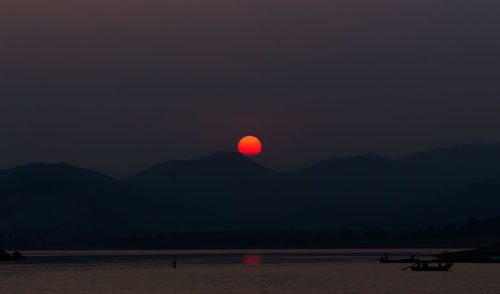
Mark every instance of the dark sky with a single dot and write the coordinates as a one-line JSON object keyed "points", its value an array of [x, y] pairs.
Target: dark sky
{"points": [[119, 85]]}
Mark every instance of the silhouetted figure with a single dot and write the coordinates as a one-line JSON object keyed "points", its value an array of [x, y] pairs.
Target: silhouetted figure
{"points": [[444, 256], [174, 264]]}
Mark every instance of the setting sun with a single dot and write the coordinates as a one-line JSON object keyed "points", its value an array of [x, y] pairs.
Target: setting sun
{"points": [[249, 145]]}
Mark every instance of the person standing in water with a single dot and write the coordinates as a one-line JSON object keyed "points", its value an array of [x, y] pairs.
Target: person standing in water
{"points": [[174, 264]]}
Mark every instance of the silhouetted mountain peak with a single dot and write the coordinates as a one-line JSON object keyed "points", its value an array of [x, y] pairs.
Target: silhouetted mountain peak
{"points": [[43, 165], [56, 172], [219, 164], [226, 153], [227, 156], [228, 190]]}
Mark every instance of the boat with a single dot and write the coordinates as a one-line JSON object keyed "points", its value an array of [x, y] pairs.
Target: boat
{"points": [[424, 267], [384, 259]]}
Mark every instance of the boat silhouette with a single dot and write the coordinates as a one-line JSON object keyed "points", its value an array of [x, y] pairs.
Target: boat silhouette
{"points": [[424, 267], [385, 259]]}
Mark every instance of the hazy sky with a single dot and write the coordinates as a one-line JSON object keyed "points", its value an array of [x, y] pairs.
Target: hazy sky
{"points": [[119, 85]]}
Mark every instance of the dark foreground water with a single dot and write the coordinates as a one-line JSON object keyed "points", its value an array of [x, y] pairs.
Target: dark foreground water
{"points": [[237, 271]]}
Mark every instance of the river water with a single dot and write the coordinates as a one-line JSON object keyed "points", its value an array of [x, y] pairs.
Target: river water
{"points": [[238, 271]]}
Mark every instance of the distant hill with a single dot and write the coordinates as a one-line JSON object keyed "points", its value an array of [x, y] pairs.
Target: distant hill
{"points": [[471, 162], [356, 167], [227, 191], [222, 165], [222, 190], [351, 191], [479, 200], [61, 201]]}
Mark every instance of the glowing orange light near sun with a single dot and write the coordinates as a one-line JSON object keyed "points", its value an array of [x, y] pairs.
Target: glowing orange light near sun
{"points": [[252, 259], [249, 145]]}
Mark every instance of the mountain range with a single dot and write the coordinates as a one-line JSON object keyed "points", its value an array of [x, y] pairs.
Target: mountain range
{"points": [[227, 191]]}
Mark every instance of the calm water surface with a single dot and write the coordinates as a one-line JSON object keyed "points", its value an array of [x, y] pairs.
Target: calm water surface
{"points": [[225, 271], [214, 257]]}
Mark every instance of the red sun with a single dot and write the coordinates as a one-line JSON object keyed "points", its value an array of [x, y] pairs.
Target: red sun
{"points": [[249, 146]]}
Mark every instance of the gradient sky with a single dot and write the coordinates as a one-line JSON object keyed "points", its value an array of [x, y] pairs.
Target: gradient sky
{"points": [[120, 85]]}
